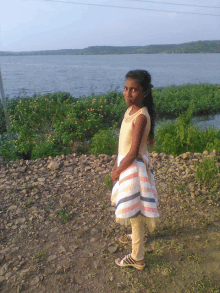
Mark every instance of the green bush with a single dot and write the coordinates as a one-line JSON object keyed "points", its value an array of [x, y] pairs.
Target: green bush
{"points": [[104, 142], [7, 149], [47, 125], [174, 100], [108, 181], [182, 136], [208, 171]]}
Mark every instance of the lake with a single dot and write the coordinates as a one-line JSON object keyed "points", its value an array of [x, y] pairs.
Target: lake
{"points": [[81, 75]]}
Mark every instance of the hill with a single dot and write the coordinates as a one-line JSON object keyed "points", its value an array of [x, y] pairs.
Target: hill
{"points": [[192, 47]]}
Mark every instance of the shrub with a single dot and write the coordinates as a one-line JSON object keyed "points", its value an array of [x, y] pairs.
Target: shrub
{"points": [[108, 181], [182, 136], [7, 149], [104, 142], [208, 171]]}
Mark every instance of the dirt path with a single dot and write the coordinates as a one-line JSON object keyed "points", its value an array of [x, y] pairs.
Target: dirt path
{"points": [[57, 229]]}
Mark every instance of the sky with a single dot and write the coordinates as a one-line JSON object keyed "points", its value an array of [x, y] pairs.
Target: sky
{"points": [[33, 25]]}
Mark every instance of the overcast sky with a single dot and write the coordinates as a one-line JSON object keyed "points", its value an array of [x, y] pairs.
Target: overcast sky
{"points": [[29, 25]]}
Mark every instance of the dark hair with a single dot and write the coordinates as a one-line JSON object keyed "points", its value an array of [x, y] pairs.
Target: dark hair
{"points": [[144, 79]]}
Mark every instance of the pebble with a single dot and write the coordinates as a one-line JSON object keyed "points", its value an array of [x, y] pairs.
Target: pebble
{"points": [[112, 248], [12, 208], [2, 279], [35, 281], [51, 257]]}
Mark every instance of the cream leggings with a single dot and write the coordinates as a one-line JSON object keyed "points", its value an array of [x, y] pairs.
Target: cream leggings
{"points": [[138, 231]]}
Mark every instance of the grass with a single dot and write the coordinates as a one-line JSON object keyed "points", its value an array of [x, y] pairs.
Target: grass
{"points": [[63, 216], [41, 255], [108, 181], [179, 264], [208, 171]]}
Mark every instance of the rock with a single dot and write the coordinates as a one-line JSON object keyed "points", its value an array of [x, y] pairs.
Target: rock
{"points": [[2, 256], [73, 247], [112, 248], [23, 169], [92, 240], [51, 257], [8, 275], [53, 166], [24, 272], [24, 226], [205, 153], [35, 281], [20, 221], [155, 155], [61, 249], [94, 231], [96, 264], [19, 211], [12, 208], [3, 269], [54, 230], [2, 279], [185, 156]]}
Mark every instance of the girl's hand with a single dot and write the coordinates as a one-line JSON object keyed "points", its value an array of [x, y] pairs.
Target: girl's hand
{"points": [[114, 175]]}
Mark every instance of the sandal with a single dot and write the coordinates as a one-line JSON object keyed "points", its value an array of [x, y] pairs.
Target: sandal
{"points": [[125, 239], [128, 261]]}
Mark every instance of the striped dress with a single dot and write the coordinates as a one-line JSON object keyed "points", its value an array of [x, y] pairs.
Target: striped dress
{"points": [[134, 194]]}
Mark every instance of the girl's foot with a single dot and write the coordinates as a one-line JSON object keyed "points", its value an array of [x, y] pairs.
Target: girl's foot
{"points": [[128, 261]]}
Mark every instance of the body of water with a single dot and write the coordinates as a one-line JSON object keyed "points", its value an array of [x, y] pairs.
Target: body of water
{"points": [[86, 74], [82, 75]]}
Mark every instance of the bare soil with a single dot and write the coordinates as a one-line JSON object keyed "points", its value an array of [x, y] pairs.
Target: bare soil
{"points": [[58, 234]]}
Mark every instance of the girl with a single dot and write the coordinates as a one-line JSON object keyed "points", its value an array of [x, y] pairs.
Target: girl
{"points": [[134, 193]]}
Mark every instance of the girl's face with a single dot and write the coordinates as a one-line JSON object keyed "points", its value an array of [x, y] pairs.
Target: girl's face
{"points": [[133, 92]]}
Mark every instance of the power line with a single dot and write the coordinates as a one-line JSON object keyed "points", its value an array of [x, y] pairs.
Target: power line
{"points": [[172, 3], [133, 8]]}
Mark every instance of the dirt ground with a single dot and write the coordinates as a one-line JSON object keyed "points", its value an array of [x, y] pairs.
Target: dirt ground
{"points": [[62, 237]]}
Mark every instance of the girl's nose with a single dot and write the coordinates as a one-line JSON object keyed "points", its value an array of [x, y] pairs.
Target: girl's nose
{"points": [[128, 93]]}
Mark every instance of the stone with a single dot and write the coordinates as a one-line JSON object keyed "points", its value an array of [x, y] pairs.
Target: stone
{"points": [[12, 208], [51, 257], [61, 249], [112, 248], [2, 279], [96, 264], [24, 226], [8, 275], [3, 269], [35, 281], [19, 211], [73, 247], [24, 272], [92, 240], [20, 221], [2, 256], [53, 166]]}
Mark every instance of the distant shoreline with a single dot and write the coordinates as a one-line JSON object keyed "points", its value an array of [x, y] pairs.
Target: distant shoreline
{"points": [[199, 47]]}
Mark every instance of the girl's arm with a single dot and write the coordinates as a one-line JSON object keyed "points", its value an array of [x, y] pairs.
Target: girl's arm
{"points": [[138, 131]]}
